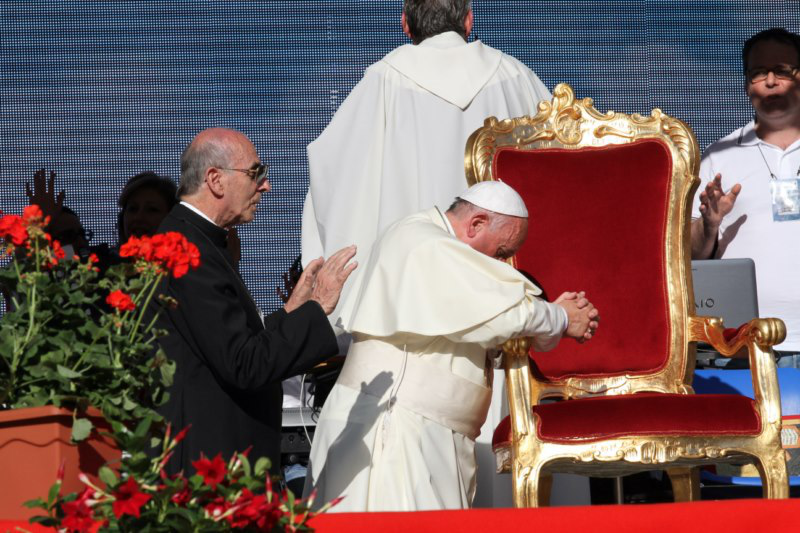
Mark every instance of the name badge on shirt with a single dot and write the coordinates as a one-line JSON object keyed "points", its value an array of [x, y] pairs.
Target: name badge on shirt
{"points": [[785, 200]]}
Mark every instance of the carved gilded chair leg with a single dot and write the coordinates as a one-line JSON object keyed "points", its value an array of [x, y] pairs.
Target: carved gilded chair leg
{"points": [[526, 485], [774, 478], [519, 482], [533, 486], [685, 484]]}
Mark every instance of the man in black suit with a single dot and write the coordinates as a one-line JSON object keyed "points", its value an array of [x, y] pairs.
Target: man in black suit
{"points": [[230, 361]]}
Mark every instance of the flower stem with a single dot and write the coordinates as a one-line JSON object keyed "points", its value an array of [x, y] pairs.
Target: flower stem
{"points": [[153, 286]]}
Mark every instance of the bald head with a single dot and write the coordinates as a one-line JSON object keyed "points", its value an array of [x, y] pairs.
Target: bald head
{"points": [[211, 147], [220, 176]]}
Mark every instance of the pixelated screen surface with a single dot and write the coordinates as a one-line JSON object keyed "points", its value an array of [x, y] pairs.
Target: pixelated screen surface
{"points": [[99, 91]]}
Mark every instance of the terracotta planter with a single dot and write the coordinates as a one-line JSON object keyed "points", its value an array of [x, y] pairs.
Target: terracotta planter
{"points": [[33, 444]]}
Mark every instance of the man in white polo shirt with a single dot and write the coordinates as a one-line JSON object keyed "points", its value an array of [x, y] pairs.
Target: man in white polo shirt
{"points": [[759, 217]]}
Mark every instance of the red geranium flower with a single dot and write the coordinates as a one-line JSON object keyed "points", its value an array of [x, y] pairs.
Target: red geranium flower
{"points": [[32, 214], [128, 499], [120, 300], [58, 251], [11, 227], [170, 251], [212, 470]]}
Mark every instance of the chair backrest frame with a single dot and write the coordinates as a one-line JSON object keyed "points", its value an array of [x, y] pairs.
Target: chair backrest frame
{"points": [[567, 123]]}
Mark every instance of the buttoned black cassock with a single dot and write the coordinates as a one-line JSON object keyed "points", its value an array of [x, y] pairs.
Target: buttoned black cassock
{"points": [[229, 364]]}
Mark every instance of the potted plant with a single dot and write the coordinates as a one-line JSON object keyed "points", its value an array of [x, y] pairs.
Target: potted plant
{"points": [[77, 352], [230, 495]]}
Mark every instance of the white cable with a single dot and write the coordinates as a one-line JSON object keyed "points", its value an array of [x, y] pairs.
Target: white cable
{"points": [[302, 406]]}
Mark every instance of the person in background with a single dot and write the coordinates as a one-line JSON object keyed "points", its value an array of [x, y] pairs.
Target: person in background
{"points": [[144, 202], [759, 216]]}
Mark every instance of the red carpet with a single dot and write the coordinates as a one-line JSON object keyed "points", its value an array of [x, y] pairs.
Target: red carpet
{"points": [[749, 516], [728, 516]]}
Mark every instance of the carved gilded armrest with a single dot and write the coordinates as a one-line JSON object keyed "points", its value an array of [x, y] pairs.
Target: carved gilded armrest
{"points": [[519, 385], [759, 336]]}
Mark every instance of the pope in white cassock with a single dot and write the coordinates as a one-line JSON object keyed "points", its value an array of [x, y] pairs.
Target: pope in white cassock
{"points": [[398, 429], [396, 144]]}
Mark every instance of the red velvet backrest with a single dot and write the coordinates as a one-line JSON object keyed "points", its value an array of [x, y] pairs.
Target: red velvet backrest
{"points": [[598, 218]]}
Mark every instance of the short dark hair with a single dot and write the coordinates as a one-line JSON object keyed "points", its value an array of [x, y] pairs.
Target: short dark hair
{"points": [[777, 35], [427, 18], [150, 180]]}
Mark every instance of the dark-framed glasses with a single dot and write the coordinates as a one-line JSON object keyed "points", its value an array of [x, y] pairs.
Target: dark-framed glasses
{"points": [[781, 72], [258, 174]]}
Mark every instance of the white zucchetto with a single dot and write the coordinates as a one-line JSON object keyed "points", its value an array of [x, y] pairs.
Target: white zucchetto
{"points": [[497, 197]]}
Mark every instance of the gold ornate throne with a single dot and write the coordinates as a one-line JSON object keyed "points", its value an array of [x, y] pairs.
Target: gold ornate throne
{"points": [[610, 198]]}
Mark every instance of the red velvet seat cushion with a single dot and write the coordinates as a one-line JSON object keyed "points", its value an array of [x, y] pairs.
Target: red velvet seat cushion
{"points": [[598, 223], [651, 414]]}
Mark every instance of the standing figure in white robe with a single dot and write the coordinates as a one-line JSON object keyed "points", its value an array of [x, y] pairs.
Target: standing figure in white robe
{"points": [[396, 144], [397, 432]]}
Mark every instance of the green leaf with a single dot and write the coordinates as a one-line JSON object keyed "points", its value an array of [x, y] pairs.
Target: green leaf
{"points": [[262, 465], [143, 428], [67, 373], [81, 428], [53, 494], [248, 471], [107, 476], [38, 502], [167, 373]]}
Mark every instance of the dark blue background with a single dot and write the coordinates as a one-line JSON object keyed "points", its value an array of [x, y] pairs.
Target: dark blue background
{"points": [[99, 91]]}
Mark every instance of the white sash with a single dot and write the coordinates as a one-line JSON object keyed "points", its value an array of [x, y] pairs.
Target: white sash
{"points": [[425, 389]]}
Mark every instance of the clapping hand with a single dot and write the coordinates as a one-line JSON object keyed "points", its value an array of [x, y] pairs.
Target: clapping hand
{"points": [[44, 194], [715, 203], [331, 278], [290, 280], [322, 281]]}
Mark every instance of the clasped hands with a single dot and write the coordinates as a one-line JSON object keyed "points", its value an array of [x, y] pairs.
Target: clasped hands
{"points": [[582, 315], [322, 281]]}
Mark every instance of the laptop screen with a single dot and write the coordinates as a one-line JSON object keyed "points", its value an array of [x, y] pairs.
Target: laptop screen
{"points": [[725, 288]]}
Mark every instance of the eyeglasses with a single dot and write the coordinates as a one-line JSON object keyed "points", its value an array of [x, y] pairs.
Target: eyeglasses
{"points": [[781, 72], [258, 174]]}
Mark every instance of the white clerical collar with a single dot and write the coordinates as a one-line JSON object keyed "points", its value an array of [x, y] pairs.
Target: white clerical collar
{"points": [[446, 222], [189, 206], [447, 67]]}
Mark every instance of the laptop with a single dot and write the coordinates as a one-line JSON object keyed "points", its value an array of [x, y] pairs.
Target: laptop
{"points": [[725, 288]]}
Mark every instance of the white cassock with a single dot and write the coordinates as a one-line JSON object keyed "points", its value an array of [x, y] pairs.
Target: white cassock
{"points": [[398, 429], [396, 144]]}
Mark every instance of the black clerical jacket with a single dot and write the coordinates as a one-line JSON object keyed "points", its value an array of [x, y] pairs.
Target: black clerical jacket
{"points": [[230, 365]]}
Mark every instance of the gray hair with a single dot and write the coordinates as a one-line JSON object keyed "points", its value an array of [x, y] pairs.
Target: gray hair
{"points": [[427, 18], [196, 159]]}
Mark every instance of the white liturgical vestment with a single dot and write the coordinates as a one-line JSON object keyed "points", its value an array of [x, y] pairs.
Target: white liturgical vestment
{"points": [[396, 144], [397, 431]]}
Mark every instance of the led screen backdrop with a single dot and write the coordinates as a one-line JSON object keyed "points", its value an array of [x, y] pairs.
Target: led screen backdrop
{"points": [[99, 91]]}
